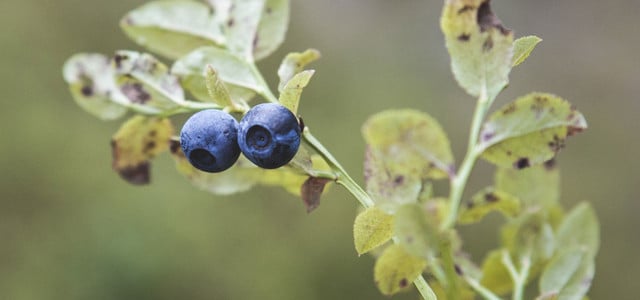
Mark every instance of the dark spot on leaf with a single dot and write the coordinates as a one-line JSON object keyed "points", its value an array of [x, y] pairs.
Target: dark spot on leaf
{"points": [[404, 283], [458, 270], [487, 136], [301, 122], [255, 42], [466, 8], [487, 19], [409, 239], [153, 133], [268, 10], [118, 59], [138, 174], [135, 92], [174, 146], [87, 90], [398, 180], [509, 153], [487, 45], [230, 22], [149, 146], [556, 144], [470, 204], [509, 109], [550, 164], [311, 191], [464, 37], [522, 163], [128, 20], [490, 197], [573, 130]]}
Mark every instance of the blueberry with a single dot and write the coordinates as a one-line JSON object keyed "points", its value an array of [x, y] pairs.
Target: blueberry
{"points": [[209, 140], [269, 135]]}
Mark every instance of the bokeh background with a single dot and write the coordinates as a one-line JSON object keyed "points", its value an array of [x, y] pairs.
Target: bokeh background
{"points": [[70, 228]]}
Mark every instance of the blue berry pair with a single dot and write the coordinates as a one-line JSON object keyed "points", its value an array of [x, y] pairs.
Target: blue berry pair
{"points": [[268, 135]]}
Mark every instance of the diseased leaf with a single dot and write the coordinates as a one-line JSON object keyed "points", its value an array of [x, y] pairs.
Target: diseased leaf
{"points": [[529, 131], [396, 269], [523, 47], [580, 229], [486, 201], [311, 191], [294, 63], [291, 177], [237, 74], [91, 82], [290, 95], [146, 82], [537, 186], [134, 145], [481, 49], [371, 228], [173, 28], [415, 232], [495, 275]]}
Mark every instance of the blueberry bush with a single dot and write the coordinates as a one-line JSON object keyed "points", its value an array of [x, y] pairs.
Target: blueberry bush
{"points": [[412, 231]]}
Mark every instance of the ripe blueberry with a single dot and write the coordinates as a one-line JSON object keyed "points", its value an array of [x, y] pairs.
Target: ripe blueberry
{"points": [[209, 140], [269, 135]]}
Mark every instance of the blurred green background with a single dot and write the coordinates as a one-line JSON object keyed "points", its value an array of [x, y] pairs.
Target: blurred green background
{"points": [[70, 228]]}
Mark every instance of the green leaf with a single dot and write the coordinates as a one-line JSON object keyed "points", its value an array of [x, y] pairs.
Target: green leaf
{"points": [[580, 229], [415, 232], [146, 82], [173, 28], [495, 275], [396, 269], [134, 145], [530, 235], [238, 75], [410, 140], [216, 88], [486, 201], [372, 228], [529, 131], [481, 49], [523, 47], [290, 95], [271, 29], [294, 63], [537, 186], [568, 275], [91, 82]]}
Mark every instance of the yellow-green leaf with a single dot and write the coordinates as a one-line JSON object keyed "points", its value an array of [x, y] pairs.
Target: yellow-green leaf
{"points": [[568, 275], [486, 201], [537, 186], [134, 145], [523, 47], [219, 93], [396, 269], [529, 131], [294, 63], [530, 234], [495, 275], [580, 229], [415, 231], [481, 49], [173, 28], [91, 82], [372, 228], [290, 94]]}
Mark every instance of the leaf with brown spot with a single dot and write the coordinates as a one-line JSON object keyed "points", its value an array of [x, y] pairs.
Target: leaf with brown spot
{"points": [[91, 82], [481, 48], [146, 82], [138, 141], [395, 269], [311, 191], [529, 131], [537, 187], [404, 148], [488, 200], [290, 94]]}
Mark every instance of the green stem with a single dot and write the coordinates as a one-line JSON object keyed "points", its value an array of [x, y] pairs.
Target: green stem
{"points": [[483, 291], [519, 278]]}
